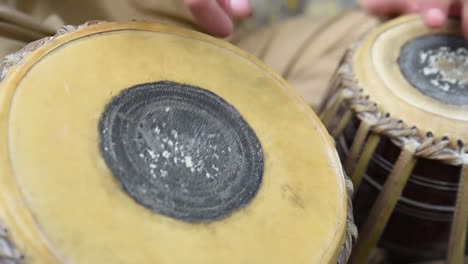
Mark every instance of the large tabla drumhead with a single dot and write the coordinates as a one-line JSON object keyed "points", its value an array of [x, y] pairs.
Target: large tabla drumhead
{"points": [[140, 143]]}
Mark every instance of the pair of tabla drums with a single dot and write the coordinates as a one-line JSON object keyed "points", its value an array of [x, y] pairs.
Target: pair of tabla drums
{"points": [[141, 143]]}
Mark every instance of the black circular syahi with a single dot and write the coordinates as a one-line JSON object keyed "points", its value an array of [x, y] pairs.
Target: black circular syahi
{"points": [[437, 66], [181, 151]]}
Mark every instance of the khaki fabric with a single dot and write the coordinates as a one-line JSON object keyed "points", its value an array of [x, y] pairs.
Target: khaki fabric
{"points": [[75, 12], [304, 49]]}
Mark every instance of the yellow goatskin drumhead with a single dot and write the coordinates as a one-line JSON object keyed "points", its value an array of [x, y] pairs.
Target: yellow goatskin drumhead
{"points": [[62, 203]]}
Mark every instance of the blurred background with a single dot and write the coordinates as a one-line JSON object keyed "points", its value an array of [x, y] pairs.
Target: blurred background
{"points": [[270, 11]]}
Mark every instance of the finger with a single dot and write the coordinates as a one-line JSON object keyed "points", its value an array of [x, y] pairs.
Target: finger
{"points": [[412, 6], [211, 16], [391, 7], [435, 12], [239, 8], [465, 18], [236, 8], [455, 9]]}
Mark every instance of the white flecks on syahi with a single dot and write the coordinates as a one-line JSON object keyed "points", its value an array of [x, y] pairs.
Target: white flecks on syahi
{"points": [[151, 153], [167, 109], [178, 150], [174, 133], [188, 161], [423, 56], [446, 67], [166, 154]]}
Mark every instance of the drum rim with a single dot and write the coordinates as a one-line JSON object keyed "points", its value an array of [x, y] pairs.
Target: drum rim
{"points": [[10, 69]]}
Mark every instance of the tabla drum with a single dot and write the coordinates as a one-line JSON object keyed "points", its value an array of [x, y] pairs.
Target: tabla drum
{"points": [[398, 109], [141, 143]]}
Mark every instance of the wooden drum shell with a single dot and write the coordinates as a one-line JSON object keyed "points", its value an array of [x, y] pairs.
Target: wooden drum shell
{"points": [[419, 228]]}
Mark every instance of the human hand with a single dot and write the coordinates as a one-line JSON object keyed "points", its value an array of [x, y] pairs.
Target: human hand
{"points": [[216, 16], [434, 12]]}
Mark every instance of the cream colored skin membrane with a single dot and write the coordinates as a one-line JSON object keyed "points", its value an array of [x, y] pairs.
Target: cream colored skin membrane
{"points": [[63, 205]]}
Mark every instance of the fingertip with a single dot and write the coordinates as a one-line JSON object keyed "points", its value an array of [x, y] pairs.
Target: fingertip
{"points": [[434, 17], [240, 8], [210, 17], [224, 31]]}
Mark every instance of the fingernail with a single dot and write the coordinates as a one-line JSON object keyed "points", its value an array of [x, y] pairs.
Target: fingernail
{"points": [[434, 17], [239, 5]]}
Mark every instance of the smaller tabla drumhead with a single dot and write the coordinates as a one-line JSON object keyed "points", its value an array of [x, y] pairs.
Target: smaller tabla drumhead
{"points": [[140, 143], [417, 75]]}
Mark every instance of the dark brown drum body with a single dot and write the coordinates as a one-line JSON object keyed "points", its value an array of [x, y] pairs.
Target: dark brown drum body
{"points": [[419, 227]]}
